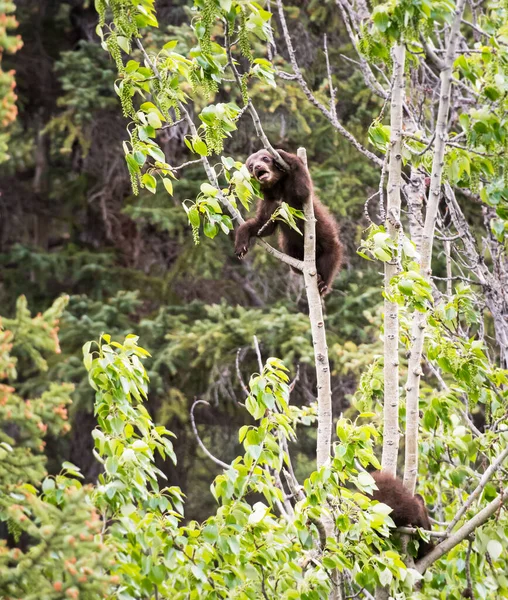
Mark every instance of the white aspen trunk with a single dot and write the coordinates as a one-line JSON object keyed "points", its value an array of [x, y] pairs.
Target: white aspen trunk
{"points": [[419, 319], [317, 323], [415, 194], [324, 389], [391, 318]]}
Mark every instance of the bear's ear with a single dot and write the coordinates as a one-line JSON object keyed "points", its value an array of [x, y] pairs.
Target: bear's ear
{"points": [[420, 500]]}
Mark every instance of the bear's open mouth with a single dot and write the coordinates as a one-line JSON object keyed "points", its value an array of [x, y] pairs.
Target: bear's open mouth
{"points": [[262, 174]]}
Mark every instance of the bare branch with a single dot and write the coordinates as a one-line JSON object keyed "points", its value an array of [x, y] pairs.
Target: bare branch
{"points": [[217, 461], [255, 117], [486, 477], [369, 78], [187, 164], [295, 380], [258, 354], [239, 373], [414, 531], [333, 108], [310, 96], [461, 534]]}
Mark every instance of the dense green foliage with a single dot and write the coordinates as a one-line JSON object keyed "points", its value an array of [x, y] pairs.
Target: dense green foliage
{"points": [[129, 264], [106, 205]]}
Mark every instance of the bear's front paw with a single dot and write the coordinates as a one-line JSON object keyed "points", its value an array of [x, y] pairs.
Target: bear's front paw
{"points": [[241, 251], [322, 287]]}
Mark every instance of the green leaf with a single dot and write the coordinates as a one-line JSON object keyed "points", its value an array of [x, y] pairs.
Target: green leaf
{"points": [[132, 164], [211, 229], [132, 66], [140, 158], [123, 42], [209, 190], [380, 18], [149, 182], [193, 215], [495, 549], [168, 184], [200, 147], [154, 120], [48, 484], [226, 5], [228, 162], [157, 153]]}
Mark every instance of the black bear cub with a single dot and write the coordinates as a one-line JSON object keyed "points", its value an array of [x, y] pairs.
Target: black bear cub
{"points": [[293, 187], [407, 510]]}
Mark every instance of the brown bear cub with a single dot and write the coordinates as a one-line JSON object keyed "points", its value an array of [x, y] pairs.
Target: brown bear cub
{"points": [[407, 510], [293, 187]]}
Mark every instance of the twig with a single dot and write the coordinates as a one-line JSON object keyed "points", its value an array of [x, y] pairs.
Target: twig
{"points": [[414, 530], [239, 374], [461, 534], [174, 124], [333, 108], [431, 54], [468, 569], [295, 380], [187, 164], [255, 117], [310, 96], [258, 354], [487, 475], [217, 461], [368, 76], [366, 206]]}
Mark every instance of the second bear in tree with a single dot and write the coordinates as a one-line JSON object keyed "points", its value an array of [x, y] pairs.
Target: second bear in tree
{"points": [[293, 187], [407, 510]]}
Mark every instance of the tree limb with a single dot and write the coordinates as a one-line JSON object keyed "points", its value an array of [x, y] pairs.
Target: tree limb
{"points": [[461, 534], [217, 461], [419, 319], [486, 477], [310, 96]]}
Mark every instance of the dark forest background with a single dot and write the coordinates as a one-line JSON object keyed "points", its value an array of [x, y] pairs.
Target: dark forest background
{"points": [[69, 224]]}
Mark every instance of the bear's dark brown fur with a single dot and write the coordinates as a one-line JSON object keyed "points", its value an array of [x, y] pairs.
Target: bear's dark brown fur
{"points": [[407, 510], [293, 187]]}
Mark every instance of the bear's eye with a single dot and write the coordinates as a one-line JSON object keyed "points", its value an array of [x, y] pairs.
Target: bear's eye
{"points": [[266, 159]]}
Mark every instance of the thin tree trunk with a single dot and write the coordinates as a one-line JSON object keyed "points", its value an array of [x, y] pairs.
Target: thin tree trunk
{"points": [[391, 309], [415, 195], [324, 389], [391, 319], [419, 319]]}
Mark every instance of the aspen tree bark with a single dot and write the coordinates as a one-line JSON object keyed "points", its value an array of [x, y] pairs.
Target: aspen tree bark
{"points": [[414, 192], [419, 319], [391, 309], [324, 389]]}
